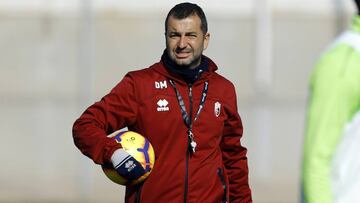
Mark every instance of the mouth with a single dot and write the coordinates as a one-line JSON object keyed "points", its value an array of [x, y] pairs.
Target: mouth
{"points": [[182, 54]]}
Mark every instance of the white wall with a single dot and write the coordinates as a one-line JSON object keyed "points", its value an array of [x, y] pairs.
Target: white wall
{"points": [[57, 58]]}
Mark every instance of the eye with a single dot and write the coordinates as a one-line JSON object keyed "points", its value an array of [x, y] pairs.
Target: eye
{"points": [[191, 35], [174, 35]]}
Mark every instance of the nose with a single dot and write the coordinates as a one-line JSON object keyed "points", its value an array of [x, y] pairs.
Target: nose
{"points": [[182, 42]]}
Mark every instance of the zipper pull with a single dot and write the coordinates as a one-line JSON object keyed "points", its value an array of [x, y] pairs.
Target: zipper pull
{"points": [[192, 141]]}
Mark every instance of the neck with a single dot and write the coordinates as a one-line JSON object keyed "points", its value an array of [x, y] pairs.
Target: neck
{"points": [[194, 65], [189, 73]]}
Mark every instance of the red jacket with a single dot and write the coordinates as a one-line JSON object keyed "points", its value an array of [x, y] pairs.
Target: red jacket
{"points": [[216, 172]]}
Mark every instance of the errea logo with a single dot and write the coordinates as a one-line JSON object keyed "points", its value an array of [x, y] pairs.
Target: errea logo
{"points": [[162, 105], [161, 84], [130, 165]]}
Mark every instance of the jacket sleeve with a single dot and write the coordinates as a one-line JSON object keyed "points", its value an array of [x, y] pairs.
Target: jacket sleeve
{"points": [[234, 154], [114, 111]]}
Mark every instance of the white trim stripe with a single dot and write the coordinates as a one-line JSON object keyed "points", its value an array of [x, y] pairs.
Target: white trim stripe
{"points": [[350, 38]]}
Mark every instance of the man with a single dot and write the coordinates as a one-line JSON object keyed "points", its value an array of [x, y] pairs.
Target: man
{"points": [[331, 164], [186, 110]]}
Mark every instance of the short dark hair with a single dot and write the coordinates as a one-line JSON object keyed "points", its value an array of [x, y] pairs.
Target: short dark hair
{"points": [[184, 10]]}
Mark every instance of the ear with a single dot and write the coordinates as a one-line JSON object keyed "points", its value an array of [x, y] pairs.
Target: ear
{"points": [[206, 40]]}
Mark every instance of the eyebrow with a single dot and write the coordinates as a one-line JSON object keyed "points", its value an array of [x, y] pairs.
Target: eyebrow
{"points": [[179, 33]]}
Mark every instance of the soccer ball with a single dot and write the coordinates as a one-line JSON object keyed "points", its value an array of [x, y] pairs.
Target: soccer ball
{"points": [[137, 146]]}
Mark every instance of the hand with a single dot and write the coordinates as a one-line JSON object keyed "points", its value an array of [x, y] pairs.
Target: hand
{"points": [[126, 165]]}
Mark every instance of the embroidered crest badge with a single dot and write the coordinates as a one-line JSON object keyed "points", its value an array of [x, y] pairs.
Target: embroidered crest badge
{"points": [[217, 107]]}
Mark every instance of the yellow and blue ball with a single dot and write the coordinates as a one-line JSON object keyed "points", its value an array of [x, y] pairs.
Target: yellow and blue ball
{"points": [[137, 146]]}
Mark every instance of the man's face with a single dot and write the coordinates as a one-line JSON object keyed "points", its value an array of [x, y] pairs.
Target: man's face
{"points": [[185, 41]]}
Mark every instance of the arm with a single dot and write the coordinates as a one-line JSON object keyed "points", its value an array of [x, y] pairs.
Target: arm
{"points": [[116, 110], [234, 155]]}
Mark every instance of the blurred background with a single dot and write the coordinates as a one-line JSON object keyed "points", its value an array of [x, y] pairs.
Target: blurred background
{"points": [[59, 56]]}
